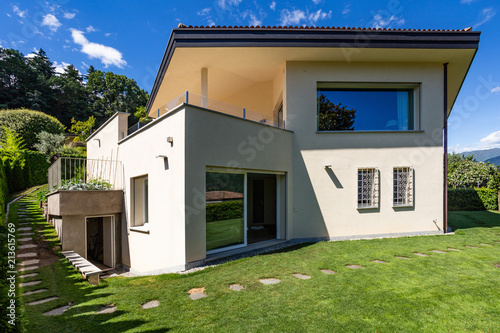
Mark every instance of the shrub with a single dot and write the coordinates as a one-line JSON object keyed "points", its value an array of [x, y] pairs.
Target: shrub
{"points": [[472, 199], [49, 144], [24, 168], [224, 210], [80, 185], [27, 123]]}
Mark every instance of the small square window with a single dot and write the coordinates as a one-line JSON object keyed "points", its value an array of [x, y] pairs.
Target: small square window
{"points": [[368, 188], [140, 201], [403, 187]]}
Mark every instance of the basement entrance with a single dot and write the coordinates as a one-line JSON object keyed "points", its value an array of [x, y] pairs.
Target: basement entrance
{"points": [[100, 241], [261, 211]]}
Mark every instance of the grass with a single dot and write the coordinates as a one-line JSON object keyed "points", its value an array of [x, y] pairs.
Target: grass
{"points": [[453, 292], [224, 233]]}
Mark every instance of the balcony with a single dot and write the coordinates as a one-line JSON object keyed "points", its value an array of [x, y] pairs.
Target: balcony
{"points": [[192, 99]]}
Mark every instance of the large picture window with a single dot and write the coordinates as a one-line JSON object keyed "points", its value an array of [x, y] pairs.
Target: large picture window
{"points": [[355, 107]]}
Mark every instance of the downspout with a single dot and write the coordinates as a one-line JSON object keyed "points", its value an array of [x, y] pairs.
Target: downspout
{"points": [[445, 139]]}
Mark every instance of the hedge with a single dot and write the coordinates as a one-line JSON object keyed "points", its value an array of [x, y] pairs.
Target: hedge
{"points": [[24, 168], [28, 123], [472, 199], [224, 210], [5, 299]]}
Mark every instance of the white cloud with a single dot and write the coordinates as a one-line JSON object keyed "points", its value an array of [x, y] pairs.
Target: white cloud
{"points": [[316, 1], [107, 55], [292, 17], [347, 9], [107, 34], [468, 2], [254, 20], [490, 141], [69, 16], [204, 12], [30, 56], [20, 13], [319, 15], [486, 15], [85, 65], [8, 14], [52, 22], [495, 90], [59, 67], [379, 21], [91, 29], [272, 5], [226, 3], [297, 17]]}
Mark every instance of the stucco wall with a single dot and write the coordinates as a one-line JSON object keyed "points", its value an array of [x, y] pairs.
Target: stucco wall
{"points": [[161, 249], [218, 140], [324, 202]]}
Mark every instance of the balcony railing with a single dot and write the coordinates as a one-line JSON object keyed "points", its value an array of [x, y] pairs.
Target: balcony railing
{"points": [[78, 173]]}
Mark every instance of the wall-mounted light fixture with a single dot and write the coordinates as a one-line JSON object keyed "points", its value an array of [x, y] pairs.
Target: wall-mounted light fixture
{"points": [[328, 166], [98, 142], [165, 160], [170, 139]]}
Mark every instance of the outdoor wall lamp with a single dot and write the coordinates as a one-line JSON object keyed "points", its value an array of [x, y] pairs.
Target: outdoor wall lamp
{"points": [[165, 160], [328, 166], [170, 139], [98, 142]]}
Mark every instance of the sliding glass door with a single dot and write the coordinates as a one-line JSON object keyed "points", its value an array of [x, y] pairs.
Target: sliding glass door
{"points": [[225, 209]]}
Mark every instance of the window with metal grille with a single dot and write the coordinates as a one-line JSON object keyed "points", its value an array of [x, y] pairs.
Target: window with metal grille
{"points": [[403, 187], [368, 188]]}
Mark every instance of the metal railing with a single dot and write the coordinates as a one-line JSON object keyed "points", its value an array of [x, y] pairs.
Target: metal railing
{"points": [[74, 171]]}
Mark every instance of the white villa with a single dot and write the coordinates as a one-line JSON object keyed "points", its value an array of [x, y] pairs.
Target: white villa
{"points": [[265, 135]]}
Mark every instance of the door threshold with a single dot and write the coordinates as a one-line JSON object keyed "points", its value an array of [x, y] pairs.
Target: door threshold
{"points": [[244, 250]]}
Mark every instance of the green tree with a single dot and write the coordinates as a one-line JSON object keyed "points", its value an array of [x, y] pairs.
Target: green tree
{"points": [[465, 171], [49, 144], [82, 128], [142, 115], [334, 117], [110, 92]]}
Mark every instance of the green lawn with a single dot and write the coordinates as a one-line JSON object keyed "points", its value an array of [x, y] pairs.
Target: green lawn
{"points": [[224, 233], [453, 292]]}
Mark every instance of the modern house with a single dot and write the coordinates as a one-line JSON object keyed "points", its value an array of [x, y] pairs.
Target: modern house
{"points": [[262, 135]]}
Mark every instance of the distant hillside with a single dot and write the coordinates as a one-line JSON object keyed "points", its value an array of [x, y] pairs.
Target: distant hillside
{"points": [[486, 155], [494, 160]]}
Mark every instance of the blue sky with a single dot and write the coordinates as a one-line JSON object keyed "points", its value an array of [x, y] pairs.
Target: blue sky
{"points": [[129, 37]]}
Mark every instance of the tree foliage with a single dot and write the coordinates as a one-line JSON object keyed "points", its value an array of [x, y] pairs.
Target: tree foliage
{"points": [[466, 172], [28, 123], [82, 128], [334, 117], [49, 144], [31, 82]]}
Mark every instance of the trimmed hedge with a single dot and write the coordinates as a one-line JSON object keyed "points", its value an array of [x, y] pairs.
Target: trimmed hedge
{"points": [[28, 123], [224, 210], [24, 169], [5, 298], [472, 199]]}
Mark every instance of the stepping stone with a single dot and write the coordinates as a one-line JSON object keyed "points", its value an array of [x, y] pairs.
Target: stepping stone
{"points": [[236, 287], [471, 247], [421, 254], [452, 249], [27, 255], [108, 309], [379, 261], [24, 223], [197, 293], [402, 257], [57, 311], [269, 281], [26, 284], [438, 251], [302, 276], [26, 234], [34, 292], [497, 265], [354, 266], [497, 241], [27, 239], [151, 304], [29, 262], [328, 271], [27, 275], [28, 268], [24, 229], [486, 244], [27, 246], [45, 300]]}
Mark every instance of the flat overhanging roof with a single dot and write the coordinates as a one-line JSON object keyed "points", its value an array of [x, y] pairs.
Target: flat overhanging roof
{"points": [[238, 57]]}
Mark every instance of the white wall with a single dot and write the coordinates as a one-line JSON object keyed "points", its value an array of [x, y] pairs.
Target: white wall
{"points": [[324, 208]]}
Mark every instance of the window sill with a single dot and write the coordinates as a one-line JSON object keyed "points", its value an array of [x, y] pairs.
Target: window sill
{"points": [[402, 206], [142, 228], [367, 208], [369, 132]]}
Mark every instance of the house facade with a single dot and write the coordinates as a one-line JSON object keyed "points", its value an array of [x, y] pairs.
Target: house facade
{"points": [[265, 135]]}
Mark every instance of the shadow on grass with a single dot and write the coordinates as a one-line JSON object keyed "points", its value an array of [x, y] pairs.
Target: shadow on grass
{"points": [[289, 248], [473, 219]]}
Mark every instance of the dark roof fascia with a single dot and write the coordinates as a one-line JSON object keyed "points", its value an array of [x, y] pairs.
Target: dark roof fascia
{"points": [[241, 37]]}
